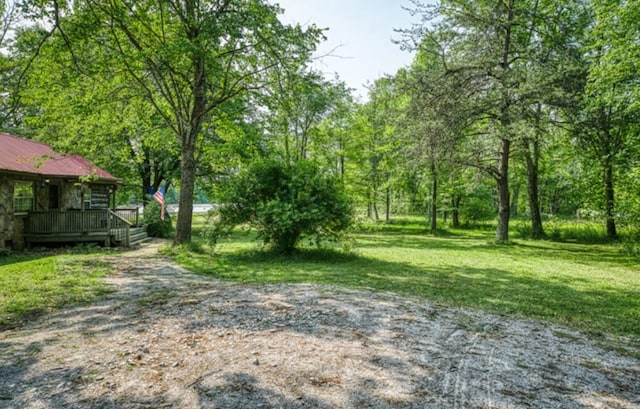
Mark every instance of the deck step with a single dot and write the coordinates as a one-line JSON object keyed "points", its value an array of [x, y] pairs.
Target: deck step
{"points": [[138, 235]]}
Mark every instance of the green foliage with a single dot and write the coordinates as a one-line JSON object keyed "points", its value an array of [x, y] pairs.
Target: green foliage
{"points": [[5, 252], [285, 203], [631, 242], [156, 227], [585, 232], [183, 65], [478, 206]]}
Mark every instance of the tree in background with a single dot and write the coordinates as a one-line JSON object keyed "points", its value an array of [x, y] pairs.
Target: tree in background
{"points": [[295, 106], [375, 143], [8, 68], [505, 59], [435, 120], [607, 123]]}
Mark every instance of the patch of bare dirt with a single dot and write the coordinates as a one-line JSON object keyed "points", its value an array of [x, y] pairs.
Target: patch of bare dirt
{"points": [[167, 338]]}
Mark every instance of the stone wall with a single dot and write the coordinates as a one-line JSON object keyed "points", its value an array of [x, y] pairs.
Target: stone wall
{"points": [[6, 210], [18, 242], [71, 196]]}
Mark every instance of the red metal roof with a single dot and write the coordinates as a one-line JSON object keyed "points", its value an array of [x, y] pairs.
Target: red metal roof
{"points": [[26, 156]]}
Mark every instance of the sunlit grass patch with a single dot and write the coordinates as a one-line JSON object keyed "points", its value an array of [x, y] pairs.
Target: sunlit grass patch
{"points": [[32, 284]]}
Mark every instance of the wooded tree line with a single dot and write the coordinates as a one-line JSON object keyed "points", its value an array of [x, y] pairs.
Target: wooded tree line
{"points": [[523, 108]]}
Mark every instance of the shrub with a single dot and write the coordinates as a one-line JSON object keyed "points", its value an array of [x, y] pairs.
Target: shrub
{"points": [[5, 252], [631, 242], [478, 206], [156, 227], [285, 203]]}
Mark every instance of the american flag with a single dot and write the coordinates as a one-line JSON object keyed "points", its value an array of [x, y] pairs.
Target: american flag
{"points": [[158, 196]]}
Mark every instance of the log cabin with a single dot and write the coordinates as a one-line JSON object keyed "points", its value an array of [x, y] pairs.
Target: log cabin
{"points": [[49, 197]]}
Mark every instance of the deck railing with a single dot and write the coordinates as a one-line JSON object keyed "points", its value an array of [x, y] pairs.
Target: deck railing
{"points": [[111, 223], [120, 228], [132, 215], [57, 222]]}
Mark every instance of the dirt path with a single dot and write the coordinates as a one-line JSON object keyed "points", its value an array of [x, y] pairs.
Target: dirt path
{"points": [[168, 338]]}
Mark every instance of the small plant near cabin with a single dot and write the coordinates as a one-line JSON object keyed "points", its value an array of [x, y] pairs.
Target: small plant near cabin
{"points": [[5, 252], [156, 227], [285, 203]]}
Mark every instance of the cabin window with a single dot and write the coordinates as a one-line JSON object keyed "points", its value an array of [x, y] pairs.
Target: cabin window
{"points": [[23, 197]]}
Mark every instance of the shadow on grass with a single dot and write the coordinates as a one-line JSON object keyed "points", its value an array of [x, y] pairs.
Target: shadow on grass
{"points": [[21, 258]]}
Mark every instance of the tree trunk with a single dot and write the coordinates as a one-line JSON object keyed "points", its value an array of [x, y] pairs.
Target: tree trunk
{"points": [[191, 132], [532, 157], [388, 205], [185, 202], [515, 196], [455, 212], [502, 179], [374, 196], [434, 199], [609, 199], [146, 183]]}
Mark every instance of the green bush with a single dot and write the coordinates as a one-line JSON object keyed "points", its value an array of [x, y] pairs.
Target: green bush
{"points": [[285, 203], [631, 242], [156, 227], [478, 206], [5, 252]]}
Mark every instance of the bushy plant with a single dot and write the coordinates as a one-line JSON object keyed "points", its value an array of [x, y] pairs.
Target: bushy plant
{"points": [[156, 227], [631, 241], [478, 206], [5, 252], [284, 203]]}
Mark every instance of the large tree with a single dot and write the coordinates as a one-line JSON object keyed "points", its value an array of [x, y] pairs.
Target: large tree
{"points": [[296, 104], [610, 109], [492, 50], [375, 140], [187, 58], [435, 119], [103, 119]]}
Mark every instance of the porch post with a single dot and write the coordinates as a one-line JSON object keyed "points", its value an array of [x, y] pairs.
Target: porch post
{"points": [[107, 242]]}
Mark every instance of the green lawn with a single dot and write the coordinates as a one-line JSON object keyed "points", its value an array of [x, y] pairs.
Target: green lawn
{"points": [[589, 287], [37, 283]]}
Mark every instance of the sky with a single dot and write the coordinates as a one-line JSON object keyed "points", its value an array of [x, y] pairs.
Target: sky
{"points": [[360, 35]]}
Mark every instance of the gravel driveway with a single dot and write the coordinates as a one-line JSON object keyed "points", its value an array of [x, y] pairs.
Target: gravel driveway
{"points": [[167, 338]]}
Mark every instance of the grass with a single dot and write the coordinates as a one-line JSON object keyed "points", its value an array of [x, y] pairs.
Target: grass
{"points": [[590, 287], [586, 286], [36, 283]]}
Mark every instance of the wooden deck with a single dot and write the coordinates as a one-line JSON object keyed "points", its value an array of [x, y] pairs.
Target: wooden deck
{"points": [[110, 227]]}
